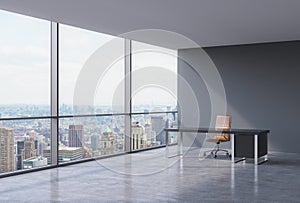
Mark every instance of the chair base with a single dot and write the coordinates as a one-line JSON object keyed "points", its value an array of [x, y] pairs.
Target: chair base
{"points": [[215, 150]]}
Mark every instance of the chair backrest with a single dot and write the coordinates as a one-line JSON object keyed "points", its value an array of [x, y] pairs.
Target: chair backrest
{"points": [[223, 122]]}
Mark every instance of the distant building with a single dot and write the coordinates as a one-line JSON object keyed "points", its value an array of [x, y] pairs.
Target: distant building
{"points": [[65, 154], [138, 136], [64, 138], [7, 161], [41, 146], [150, 134], [95, 142], [107, 140], [158, 127], [40, 142], [76, 137], [34, 162], [26, 149], [20, 147], [30, 149]]}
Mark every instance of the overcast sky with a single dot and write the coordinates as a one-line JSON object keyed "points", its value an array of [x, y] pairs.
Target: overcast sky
{"points": [[25, 63]]}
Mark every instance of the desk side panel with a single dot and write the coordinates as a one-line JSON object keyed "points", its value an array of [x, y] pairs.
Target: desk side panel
{"points": [[244, 146], [262, 145]]}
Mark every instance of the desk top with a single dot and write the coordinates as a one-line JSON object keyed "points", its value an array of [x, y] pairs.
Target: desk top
{"points": [[212, 130]]}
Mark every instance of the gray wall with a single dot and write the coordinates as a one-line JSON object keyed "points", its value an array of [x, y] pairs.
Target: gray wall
{"points": [[262, 84]]}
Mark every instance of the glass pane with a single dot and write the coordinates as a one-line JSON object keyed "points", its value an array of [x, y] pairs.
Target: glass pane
{"points": [[97, 60], [24, 66], [87, 137], [173, 123], [154, 78], [147, 130], [24, 144]]}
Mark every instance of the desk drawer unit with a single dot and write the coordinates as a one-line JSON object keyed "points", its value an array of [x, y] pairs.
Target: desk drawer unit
{"points": [[244, 145]]}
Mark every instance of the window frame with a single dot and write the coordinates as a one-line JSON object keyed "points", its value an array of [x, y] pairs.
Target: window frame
{"points": [[54, 107]]}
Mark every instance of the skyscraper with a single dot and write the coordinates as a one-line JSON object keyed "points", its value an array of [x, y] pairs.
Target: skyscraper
{"points": [[76, 137], [138, 136], [7, 163], [150, 134], [158, 127], [26, 149], [30, 149], [20, 147], [107, 142]]}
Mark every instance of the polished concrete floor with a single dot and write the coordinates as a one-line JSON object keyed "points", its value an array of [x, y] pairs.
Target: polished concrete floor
{"points": [[152, 177]]}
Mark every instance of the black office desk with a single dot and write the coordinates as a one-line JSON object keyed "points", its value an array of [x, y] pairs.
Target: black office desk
{"points": [[245, 143]]}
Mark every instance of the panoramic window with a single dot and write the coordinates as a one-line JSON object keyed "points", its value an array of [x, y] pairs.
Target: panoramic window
{"points": [[86, 57], [154, 90], [91, 95], [154, 78], [85, 54], [24, 66], [25, 90]]}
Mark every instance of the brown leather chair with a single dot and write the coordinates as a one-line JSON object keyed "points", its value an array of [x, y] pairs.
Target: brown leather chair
{"points": [[223, 122]]}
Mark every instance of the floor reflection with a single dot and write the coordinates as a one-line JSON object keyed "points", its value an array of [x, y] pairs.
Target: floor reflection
{"points": [[54, 184]]}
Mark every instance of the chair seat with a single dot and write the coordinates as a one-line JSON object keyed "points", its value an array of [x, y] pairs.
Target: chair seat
{"points": [[217, 140]]}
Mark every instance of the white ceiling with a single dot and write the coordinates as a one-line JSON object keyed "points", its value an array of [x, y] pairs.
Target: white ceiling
{"points": [[207, 22]]}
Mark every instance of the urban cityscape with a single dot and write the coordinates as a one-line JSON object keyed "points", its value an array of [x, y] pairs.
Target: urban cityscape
{"points": [[26, 143]]}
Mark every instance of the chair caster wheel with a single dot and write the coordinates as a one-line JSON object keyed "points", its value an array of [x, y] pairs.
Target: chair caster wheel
{"points": [[204, 154]]}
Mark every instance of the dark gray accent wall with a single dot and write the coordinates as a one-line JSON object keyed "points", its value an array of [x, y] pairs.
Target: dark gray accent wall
{"points": [[262, 84]]}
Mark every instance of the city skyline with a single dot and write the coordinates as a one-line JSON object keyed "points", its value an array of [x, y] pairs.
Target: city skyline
{"points": [[32, 138]]}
